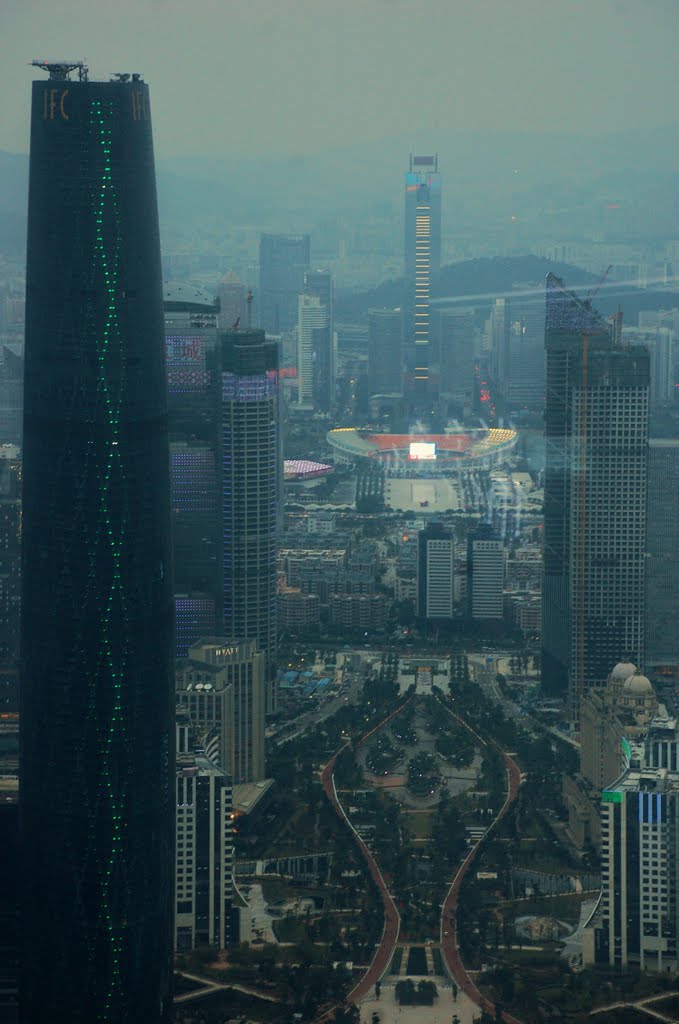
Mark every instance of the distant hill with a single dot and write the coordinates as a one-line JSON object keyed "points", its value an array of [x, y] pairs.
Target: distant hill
{"points": [[477, 281]]}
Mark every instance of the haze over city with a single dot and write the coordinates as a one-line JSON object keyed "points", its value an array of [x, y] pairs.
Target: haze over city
{"points": [[339, 512]]}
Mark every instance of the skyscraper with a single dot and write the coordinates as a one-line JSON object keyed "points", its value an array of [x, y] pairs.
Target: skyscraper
{"points": [[456, 356], [486, 566], [191, 356], [385, 351], [596, 434], [250, 477], [231, 302], [222, 685], [319, 285], [435, 572], [204, 868], [283, 261], [662, 562], [422, 263], [637, 919], [518, 356], [97, 700], [315, 381]]}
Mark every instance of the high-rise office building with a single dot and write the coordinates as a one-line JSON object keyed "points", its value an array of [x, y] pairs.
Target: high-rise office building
{"points": [[10, 553], [283, 262], [486, 568], [637, 922], [192, 385], [596, 446], [518, 351], [456, 356], [385, 351], [223, 687], [435, 572], [662, 550], [251, 484], [319, 285], [97, 694], [422, 264], [315, 381], [204, 913], [231, 294]]}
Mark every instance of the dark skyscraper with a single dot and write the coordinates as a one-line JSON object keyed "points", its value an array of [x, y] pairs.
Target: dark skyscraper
{"points": [[191, 355], [97, 700], [596, 448], [283, 261], [422, 264], [385, 351], [662, 555]]}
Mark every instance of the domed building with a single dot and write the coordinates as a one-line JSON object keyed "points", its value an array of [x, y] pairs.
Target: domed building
{"points": [[638, 699], [623, 671]]}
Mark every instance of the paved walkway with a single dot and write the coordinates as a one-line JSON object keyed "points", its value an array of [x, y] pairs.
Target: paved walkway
{"points": [[209, 986], [644, 1006], [440, 1013]]}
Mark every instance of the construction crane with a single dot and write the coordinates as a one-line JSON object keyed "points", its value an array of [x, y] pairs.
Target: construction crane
{"points": [[593, 291]]}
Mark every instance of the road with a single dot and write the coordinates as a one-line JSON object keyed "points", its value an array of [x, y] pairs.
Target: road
{"points": [[392, 918], [449, 944]]}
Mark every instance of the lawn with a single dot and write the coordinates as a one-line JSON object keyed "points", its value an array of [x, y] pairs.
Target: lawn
{"points": [[420, 824], [396, 959]]}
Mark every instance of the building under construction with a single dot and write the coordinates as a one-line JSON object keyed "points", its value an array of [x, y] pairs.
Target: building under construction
{"points": [[596, 447]]}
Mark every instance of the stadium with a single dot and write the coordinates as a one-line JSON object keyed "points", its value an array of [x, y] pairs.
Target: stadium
{"points": [[427, 455]]}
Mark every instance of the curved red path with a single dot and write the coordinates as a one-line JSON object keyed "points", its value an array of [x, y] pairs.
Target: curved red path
{"points": [[392, 918], [449, 945]]}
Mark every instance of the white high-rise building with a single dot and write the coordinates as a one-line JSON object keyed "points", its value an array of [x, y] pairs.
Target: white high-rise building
{"points": [[435, 573], [487, 570], [636, 923], [312, 343], [204, 860]]}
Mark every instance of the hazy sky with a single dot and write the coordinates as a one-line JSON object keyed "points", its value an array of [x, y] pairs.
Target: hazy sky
{"points": [[298, 76]]}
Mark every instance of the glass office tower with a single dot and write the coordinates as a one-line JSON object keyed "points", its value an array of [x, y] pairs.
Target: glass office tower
{"points": [[97, 696]]}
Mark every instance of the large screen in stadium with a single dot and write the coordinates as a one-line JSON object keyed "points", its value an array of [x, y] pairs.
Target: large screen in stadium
{"points": [[422, 450]]}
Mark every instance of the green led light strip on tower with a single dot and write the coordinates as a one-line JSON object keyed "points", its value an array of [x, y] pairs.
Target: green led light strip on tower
{"points": [[107, 255]]}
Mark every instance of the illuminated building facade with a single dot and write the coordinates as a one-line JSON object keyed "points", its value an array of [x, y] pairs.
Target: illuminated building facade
{"points": [[422, 264], [596, 450], [97, 694]]}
